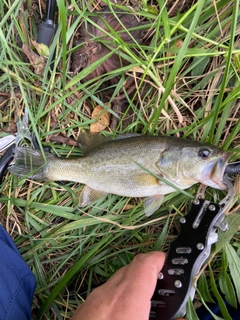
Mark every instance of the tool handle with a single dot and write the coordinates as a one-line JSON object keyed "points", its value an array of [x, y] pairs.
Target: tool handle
{"points": [[185, 258]]}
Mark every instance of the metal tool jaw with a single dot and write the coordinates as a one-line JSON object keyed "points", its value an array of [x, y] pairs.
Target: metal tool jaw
{"points": [[6, 143], [187, 254], [9, 142]]}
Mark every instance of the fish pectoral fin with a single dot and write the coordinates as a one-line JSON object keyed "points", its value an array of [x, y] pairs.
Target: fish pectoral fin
{"points": [[152, 203], [145, 179], [89, 195]]}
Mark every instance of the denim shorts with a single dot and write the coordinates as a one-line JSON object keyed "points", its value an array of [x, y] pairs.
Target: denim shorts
{"points": [[17, 282]]}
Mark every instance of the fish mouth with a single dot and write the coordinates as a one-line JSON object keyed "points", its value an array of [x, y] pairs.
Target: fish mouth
{"points": [[217, 172]]}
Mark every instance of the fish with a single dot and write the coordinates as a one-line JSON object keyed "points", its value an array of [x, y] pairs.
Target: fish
{"points": [[130, 165]]}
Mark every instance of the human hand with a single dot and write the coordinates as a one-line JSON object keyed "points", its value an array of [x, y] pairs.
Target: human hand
{"points": [[127, 294]]}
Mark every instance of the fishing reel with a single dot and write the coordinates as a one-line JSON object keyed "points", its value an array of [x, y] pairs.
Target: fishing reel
{"points": [[187, 254]]}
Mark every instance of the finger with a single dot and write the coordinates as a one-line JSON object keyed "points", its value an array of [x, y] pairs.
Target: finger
{"points": [[138, 279], [143, 271], [143, 268]]}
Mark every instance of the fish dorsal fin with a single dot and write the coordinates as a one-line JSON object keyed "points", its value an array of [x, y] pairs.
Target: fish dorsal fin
{"points": [[88, 141], [89, 195], [152, 203], [127, 135]]}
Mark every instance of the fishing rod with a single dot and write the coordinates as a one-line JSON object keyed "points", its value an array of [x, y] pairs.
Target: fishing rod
{"points": [[47, 27]]}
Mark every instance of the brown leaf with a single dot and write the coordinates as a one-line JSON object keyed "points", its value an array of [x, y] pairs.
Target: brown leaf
{"points": [[37, 61], [176, 45], [103, 119]]}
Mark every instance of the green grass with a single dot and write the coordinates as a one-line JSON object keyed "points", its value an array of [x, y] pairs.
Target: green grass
{"points": [[188, 73]]}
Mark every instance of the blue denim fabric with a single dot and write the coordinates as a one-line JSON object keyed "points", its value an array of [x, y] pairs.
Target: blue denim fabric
{"points": [[17, 282]]}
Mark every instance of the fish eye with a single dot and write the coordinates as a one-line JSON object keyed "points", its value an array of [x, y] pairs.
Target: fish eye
{"points": [[204, 153]]}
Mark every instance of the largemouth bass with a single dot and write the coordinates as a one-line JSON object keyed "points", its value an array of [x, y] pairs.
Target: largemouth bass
{"points": [[130, 166]]}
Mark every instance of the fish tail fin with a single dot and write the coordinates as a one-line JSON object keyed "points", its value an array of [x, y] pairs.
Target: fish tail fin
{"points": [[31, 163]]}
